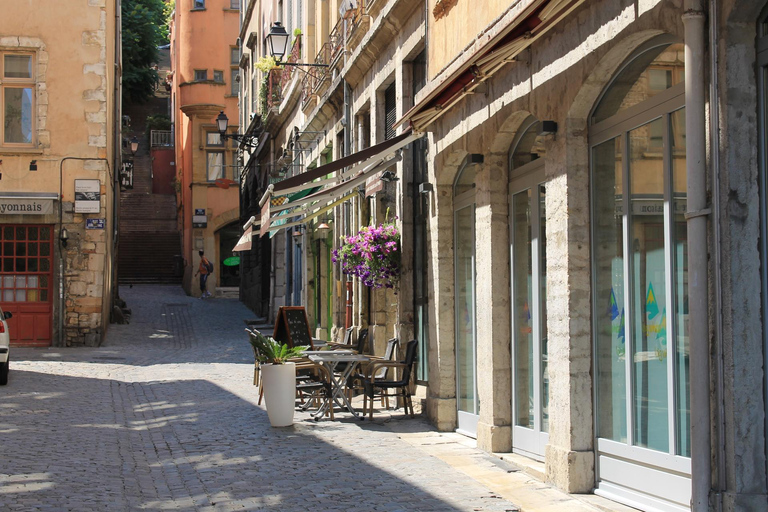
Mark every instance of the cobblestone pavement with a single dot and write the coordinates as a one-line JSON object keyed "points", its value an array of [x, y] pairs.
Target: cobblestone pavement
{"points": [[163, 416]]}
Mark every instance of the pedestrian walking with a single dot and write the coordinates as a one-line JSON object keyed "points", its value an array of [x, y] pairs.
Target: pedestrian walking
{"points": [[204, 269]]}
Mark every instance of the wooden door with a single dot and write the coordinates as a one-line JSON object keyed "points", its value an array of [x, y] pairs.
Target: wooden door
{"points": [[26, 280]]}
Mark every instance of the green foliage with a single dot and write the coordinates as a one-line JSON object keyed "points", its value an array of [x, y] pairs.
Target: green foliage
{"points": [[144, 29], [266, 64], [263, 96], [270, 351], [157, 122]]}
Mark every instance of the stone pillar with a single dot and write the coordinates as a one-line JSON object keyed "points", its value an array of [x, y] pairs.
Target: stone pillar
{"points": [[570, 461], [441, 395], [494, 432]]}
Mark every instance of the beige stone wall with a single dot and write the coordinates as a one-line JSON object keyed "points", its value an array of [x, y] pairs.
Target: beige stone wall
{"points": [[558, 78], [74, 138]]}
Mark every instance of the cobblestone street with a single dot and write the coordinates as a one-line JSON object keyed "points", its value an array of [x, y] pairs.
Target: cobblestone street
{"points": [[163, 416]]}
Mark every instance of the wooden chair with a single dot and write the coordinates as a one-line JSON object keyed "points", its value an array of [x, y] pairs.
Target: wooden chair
{"points": [[373, 387]]}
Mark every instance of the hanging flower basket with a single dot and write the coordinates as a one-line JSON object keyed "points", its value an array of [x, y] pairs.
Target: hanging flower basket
{"points": [[373, 255]]}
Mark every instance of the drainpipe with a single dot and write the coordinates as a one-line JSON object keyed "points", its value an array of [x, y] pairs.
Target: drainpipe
{"points": [[696, 216], [714, 134]]}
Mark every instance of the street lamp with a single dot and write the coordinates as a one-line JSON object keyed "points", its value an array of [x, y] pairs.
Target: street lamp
{"points": [[134, 145], [222, 121], [277, 41]]}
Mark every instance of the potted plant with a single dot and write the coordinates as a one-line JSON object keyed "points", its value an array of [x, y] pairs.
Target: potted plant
{"points": [[278, 377]]}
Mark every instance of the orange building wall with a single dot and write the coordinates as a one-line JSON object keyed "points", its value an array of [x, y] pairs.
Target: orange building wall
{"points": [[201, 39]]}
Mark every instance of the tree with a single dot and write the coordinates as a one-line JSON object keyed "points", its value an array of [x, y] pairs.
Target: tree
{"points": [[144, 29]]}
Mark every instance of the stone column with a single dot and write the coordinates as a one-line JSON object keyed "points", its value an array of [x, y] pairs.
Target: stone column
{"points": [[492, 310], [441, 397], [570, 461]]}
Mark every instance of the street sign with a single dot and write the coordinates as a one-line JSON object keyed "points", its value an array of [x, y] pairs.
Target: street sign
{"points": [[199, 219], [94, 223]]}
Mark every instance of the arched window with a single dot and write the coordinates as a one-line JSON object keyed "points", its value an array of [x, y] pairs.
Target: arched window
{"points": [[640, 277], [464, 274], [528, 293]]}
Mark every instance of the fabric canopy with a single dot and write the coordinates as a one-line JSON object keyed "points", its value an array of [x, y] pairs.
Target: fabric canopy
{"points": [[303, 189], [244, 244]]}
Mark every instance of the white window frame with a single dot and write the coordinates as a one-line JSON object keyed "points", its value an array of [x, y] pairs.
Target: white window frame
{"points": [[18, 83]]}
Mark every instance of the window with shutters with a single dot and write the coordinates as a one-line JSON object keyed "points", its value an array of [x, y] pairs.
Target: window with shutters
{"points": [[390, 112]]}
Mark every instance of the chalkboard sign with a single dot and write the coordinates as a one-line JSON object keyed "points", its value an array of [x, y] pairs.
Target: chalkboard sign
{"points": [[292, 327]]}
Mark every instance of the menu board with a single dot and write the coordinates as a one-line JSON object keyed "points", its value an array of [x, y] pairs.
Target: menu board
{"points": [[292, 327]]}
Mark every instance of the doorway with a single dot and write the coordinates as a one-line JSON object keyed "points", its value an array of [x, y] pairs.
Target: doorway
{"points": [[528, 240]]}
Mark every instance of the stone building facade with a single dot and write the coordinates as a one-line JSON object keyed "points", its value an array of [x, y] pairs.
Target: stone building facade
{"points": [[582, 208], [61, 110]]}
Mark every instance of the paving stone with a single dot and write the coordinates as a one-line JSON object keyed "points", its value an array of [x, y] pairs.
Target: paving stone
{"points": [[164, 416]]}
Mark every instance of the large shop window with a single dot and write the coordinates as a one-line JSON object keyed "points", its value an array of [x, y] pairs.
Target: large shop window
{"points": [[465, 315], [640, 277], [17, 98]]}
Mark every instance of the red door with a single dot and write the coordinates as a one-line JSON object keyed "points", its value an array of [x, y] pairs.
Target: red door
{"points": [[26, 275]]}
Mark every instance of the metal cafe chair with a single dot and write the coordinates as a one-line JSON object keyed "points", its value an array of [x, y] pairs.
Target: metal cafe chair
{"points": [[373, 387]]}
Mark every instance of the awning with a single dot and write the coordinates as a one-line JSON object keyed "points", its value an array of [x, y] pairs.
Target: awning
{"points": [[244, 244], [529, 25], [364, 164], [358, 160]]}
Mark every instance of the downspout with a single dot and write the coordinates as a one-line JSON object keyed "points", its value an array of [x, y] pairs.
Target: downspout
{"points": [[696, 216], [714, 134]]}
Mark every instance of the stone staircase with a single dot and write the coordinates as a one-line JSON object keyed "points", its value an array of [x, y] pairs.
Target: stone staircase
{"points": [[149, 244]]}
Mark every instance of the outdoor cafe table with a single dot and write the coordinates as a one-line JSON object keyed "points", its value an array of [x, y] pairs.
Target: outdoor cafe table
{"points": [[331, 360]]}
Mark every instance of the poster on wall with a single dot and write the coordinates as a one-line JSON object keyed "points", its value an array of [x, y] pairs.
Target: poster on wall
{"points": [[87, 196]]}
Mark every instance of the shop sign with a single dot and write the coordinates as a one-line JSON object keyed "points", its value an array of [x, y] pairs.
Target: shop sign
{"points": [[94, 223], [87, 196], [199, 219], [25, 206]]}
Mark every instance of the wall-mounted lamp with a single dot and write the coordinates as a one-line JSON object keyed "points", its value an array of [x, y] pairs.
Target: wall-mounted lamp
{"points": [[548, 128], [134, 145], [425, 188], [389, 176], [33, 165], [222, 121], [277, 42], [64, 237], [322, 230]]}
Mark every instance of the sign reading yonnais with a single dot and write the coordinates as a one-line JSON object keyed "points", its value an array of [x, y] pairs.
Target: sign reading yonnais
{"points": [[87, 196], [25, 206]]}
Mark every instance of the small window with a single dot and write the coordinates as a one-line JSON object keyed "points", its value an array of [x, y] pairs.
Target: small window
{"points": [[218, 76], [213, 139], [215, 165], [234, 4], [17, 99], [233, 82], [234, 55], [199, 4], [201, 75]]}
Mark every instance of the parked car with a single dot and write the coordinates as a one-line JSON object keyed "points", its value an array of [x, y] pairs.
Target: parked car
{"points": [[5, 347]]}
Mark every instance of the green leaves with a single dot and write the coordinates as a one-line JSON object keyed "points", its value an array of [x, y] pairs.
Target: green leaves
{"points": [[269, 351], [144, 28]]}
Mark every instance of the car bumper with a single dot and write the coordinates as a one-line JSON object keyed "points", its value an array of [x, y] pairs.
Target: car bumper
{"points": [[3, 354]]}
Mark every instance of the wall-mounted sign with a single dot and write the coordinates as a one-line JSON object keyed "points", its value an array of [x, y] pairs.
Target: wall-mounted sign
{"points": [[87, 196], [199, 219], [126, 175], [25, 206], [94, 223]]}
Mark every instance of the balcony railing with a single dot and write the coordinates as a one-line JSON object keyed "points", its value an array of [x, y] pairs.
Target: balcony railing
{"points": [[161, 138]]}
